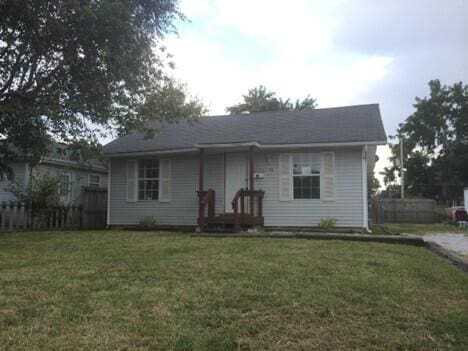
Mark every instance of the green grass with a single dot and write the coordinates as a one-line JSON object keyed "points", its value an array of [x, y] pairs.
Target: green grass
{"points": [[123, 290], [421, 229]]}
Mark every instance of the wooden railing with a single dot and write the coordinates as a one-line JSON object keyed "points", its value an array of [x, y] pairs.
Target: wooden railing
{"points": [[206, 199], [254, 215]]}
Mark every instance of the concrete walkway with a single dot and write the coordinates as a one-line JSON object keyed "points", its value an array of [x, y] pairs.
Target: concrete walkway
{"points": [[457, 243]]}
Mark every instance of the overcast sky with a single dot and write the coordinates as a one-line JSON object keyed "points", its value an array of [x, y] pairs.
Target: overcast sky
{"points": [[341, 52]]}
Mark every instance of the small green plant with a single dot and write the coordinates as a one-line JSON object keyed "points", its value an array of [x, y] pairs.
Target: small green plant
{"points": [[148, 221], [327, 223]]}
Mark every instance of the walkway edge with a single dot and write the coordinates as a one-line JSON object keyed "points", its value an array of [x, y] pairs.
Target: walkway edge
{"points": [[441, 251], [389, 239]]}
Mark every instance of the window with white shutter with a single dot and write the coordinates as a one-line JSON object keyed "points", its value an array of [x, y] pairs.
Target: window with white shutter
{"points": [[131, 181], [164, 180], [327, 192], [306, 175], [285, 177]]}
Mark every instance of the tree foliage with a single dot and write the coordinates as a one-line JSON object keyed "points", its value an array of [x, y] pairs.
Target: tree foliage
{"points": [[42, 191], [373, 184], [72, 70], [261, 99], [435, 141]]}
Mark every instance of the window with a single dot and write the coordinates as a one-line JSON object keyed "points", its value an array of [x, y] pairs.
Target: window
{"points": [[7, 176], [306, 176], [94, 180], [148, 180], [65, 186]]}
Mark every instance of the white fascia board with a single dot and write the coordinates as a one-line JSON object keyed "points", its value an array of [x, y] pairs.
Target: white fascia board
{"points": [[149, 153], [197, 147]]}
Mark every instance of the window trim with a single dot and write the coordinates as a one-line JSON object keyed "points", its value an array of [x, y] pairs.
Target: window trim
{"points": [[317, 175], [68, 197], [138, 179], [7, 177], [89, 180]]}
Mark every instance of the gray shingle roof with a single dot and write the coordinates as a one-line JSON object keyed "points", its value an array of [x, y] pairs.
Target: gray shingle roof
{"points": [[339, 124]]}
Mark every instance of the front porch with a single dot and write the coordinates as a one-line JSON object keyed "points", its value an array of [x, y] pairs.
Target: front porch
{"points": [[243, 204]]}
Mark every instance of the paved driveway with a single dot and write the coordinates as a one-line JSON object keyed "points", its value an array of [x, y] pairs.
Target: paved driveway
{"points": [[457, 243]]}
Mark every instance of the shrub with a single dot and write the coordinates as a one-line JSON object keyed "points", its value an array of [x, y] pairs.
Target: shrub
{"points": [[148, 221], [41, 194], [327, 223]]}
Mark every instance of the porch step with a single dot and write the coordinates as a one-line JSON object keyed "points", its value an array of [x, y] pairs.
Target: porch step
{"points": [[224, 223]]}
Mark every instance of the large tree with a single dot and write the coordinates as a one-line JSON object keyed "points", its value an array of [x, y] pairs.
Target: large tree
{"points": [[435, 139], [72, 70], [261, 99]]}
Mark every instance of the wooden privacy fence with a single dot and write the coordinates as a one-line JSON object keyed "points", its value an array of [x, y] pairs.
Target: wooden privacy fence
{"points": [[92, 214], [18, 216], [404, 211], [94, 207]]}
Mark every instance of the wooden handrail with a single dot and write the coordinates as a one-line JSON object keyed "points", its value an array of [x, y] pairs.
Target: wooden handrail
{"points": [[205, 199], [241, 195]]}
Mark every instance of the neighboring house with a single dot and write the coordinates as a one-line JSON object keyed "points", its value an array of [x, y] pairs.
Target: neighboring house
{"points": [[73, 175], [308, 165]]}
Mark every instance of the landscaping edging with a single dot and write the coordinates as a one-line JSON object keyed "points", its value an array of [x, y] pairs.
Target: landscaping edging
{"points": [[441, 251], [389, 239]]}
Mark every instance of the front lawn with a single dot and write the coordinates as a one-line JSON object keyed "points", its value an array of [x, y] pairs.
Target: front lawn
{"points": [[123, 290]]}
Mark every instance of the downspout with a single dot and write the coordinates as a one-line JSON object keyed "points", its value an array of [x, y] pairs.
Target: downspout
{"points": [[365, 206]]}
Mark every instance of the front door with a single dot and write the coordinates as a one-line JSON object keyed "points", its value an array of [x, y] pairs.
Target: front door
{"points": [[236, 176]]}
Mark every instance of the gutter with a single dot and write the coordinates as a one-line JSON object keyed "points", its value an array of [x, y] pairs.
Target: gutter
{"points": [[60, 162], [245, 144]]}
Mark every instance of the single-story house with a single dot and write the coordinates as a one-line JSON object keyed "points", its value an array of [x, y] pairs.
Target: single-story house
{"points": [[272, 169], [58, 163]]}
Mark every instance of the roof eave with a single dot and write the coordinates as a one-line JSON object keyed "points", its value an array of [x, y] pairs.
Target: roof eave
{"points": [[236, 145]]}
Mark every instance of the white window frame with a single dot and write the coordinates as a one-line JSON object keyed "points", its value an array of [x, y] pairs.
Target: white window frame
{"points": [[98, 183], [318, 175], [67, 198], [7, 176], [138, 179]]}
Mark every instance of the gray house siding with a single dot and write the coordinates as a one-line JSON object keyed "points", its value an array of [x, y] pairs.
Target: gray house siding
{"points": [[79, 178], [19, 171], [347, 207], [181, 210]]}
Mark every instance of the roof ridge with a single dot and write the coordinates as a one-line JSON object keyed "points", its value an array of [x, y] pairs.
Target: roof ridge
{"points": [[293, 111]]}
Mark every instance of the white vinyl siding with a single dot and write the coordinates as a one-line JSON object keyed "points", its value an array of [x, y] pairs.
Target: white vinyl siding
{"points": [[164, 180], [19, 175], [182, 209], [347, 206], [285, 177], [327, 192], [132, 190]]}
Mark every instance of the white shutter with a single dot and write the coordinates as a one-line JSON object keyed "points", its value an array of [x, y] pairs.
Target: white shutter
{"points": [[164, 180], [132, 181], [327, 191], [285, 177]]}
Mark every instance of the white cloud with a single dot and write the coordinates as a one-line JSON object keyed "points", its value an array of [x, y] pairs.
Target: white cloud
{"points": [[339, 51], [298, 56]]}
